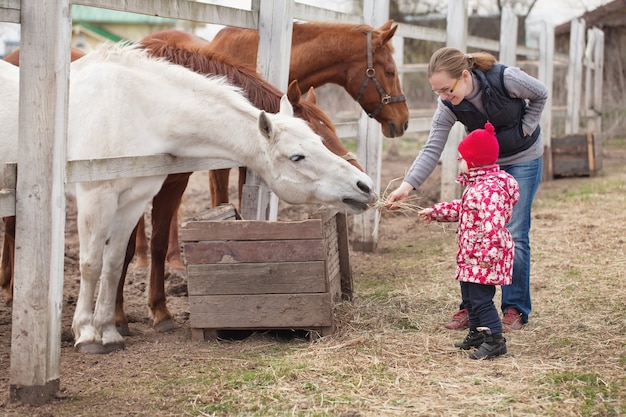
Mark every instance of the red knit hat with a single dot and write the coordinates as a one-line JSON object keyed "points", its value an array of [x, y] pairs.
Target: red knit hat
{"points": [[480, 147]]}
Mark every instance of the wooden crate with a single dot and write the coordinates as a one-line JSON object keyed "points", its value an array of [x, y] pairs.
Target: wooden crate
{"points": [[573, 155], [247, 275]]}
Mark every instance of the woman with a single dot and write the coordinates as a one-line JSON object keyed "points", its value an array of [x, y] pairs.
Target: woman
{"points": [[474, 89]]}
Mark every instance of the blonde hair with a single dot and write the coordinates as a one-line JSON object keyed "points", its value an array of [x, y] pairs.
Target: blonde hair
{"points": [[454, 62]]}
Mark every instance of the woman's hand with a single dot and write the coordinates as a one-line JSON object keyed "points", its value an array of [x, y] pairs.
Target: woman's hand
{"points": [[400, 194]]}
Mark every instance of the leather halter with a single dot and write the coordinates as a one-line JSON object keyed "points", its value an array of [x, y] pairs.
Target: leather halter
{"points": [[370, 75]]}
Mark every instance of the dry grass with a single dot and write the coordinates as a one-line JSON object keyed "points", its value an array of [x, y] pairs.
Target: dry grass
{"points": [[408, 206], [390, 355]]}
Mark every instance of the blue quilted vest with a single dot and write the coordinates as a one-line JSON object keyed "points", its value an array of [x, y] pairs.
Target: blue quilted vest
{"points": [[503, 112]]}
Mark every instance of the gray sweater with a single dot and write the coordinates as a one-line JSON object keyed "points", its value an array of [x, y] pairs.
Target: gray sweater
{"points": [[519, 85]]}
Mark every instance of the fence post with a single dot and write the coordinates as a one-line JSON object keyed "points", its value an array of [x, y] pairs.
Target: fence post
{"points": [[365, 230], [274, 51], [594, 59], [40, 201], [574, 75], [508, 37], [545, 73], [456, 35]]}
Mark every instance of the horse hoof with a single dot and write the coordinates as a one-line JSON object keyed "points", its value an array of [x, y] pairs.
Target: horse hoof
{"points": [[141, 263], [98, 349], [165, 326], [177, 267], [123, 329]]}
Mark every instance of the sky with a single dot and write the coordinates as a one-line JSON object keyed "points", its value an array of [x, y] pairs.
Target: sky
{"points": [[560, 11]]}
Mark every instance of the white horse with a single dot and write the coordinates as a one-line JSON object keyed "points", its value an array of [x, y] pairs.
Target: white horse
{"points": [[124, 103], [9, 97]]}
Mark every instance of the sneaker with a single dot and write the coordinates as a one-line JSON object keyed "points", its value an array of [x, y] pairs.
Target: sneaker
{"points": [[473, 340], [512, 320], [494, 345], [460, 321]]}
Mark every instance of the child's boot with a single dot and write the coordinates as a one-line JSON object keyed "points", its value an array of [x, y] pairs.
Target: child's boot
{"points": [[493, 345], [473, 340]]}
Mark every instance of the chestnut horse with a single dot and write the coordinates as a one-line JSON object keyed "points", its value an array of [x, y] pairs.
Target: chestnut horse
{"points": [[165, 204], [357, 57], [8, 243], [124, 103]]}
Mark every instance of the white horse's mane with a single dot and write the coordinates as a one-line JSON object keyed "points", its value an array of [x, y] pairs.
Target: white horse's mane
{"points": [[134, 56]]}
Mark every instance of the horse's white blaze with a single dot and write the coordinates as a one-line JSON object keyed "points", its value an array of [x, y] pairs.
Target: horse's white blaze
{"points": [[123, 103]]}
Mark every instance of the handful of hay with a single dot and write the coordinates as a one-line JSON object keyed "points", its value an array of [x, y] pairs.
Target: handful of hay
{"points": [[406, 207]]}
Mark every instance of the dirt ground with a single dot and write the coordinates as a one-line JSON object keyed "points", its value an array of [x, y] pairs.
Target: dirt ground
{"points": [[145, 350]]}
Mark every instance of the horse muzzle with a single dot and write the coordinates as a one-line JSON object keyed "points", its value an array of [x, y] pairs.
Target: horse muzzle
{"points": [[359, 205]]}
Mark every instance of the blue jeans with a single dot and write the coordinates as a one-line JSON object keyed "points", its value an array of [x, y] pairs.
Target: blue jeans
{"points": [[528, 176]]}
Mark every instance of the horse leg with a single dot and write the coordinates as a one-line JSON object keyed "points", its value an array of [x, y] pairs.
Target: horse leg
{"points": [[114, 259], [121, 321], [173, 257], [141, 245], [218, 184], [165, 205], [8, 256], [92, 222]]}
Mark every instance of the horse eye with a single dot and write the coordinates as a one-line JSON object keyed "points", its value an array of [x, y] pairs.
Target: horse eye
{"points": [[390, 73], [297, 158]]}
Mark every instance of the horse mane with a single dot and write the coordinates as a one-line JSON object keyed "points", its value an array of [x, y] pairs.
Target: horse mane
{"points": [[333, 33], [136, 57], [326, 27], [262, 94]]}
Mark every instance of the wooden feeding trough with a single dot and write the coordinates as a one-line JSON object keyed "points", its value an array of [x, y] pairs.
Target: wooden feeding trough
{"points": [[574, 155], [248, 275]]}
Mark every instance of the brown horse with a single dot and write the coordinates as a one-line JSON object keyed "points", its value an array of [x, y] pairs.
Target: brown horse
{"points": [[166, 203], [8, 243], [357, 57]]}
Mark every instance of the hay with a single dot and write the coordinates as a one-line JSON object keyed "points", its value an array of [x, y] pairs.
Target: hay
{"points": [[406, 207]]}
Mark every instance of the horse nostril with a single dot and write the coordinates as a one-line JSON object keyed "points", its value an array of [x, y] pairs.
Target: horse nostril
{"points": [[406, 125], [363, 187]]}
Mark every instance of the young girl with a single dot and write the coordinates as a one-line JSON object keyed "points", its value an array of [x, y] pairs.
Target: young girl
{"points": [[486, 248]]}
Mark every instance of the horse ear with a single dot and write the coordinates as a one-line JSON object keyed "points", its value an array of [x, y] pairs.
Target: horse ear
{"points": [[294, 93], [386, 25], [311, 97], [285, 106], [265, 125], [388, 34]]}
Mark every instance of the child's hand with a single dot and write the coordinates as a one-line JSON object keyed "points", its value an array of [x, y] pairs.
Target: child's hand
{"points": [[425, 215]]}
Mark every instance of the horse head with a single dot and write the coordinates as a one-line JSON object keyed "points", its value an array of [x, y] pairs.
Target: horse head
{"points": [[375, 83], [357, 57], [321, 124], [301, 170]]}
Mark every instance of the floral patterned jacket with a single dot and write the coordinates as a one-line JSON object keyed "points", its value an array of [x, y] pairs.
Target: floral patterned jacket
{"points": [[486, 248]]}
